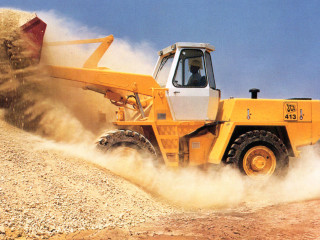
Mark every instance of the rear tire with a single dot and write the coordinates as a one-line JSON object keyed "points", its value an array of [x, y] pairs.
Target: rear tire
{"points": [[259, 154]]}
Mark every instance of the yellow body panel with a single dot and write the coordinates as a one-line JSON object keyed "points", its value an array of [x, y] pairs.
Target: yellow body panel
{"points": [[220, 143], [199, 148]]}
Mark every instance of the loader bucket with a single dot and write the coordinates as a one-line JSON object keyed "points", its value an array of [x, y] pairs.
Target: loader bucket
{"points": [[33, 32]]}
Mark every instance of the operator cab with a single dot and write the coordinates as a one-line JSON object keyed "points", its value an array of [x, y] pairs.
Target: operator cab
{"points": [[186, 70]]}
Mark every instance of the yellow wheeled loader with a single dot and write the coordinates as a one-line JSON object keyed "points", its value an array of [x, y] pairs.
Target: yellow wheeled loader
{"points": [[180, 119]]}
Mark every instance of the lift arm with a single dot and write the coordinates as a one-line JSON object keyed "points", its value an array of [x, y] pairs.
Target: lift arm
{"points": [[104, 79]]}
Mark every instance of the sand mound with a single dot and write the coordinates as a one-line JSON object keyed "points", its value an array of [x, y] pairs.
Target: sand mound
{"points": [[46, 192]]}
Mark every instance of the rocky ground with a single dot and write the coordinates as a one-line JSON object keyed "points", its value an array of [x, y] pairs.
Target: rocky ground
{"points": [[46, 193]]}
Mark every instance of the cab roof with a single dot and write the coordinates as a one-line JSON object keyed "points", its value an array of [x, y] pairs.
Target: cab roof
{"points": [[172, 48]]}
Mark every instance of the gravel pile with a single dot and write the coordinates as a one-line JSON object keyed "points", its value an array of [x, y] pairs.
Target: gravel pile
{"points": [[12, 17], [45, 192]]}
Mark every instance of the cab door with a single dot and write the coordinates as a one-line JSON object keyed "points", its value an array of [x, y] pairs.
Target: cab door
{"points": [[192, 93]]}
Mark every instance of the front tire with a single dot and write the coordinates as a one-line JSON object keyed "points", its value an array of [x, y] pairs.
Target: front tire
{"points": [[127, 140], [259, 154]]}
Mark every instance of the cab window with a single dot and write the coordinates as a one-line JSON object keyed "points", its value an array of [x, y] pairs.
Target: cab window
{"points": [[190, 71], [164, 69], [210, 74]]}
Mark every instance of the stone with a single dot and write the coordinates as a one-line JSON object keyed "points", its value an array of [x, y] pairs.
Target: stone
{"points": [[2, 229]]}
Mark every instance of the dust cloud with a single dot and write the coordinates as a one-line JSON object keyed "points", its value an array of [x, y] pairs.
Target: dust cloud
{"points": [[223, 188], [68, 116], [121, 56]]}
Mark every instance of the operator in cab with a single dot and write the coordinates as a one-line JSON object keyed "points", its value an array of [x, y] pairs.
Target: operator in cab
{"points": [[195, 80]]}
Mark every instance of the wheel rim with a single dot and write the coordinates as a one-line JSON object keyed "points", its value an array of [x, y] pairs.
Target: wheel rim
{"points": [[259, 161]]}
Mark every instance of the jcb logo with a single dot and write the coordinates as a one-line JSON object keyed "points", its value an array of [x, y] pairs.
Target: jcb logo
{"points": [[291, 108]]}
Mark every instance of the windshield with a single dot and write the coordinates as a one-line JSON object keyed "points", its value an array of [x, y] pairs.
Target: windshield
{"points": [[190, 71], [164, 69]]}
